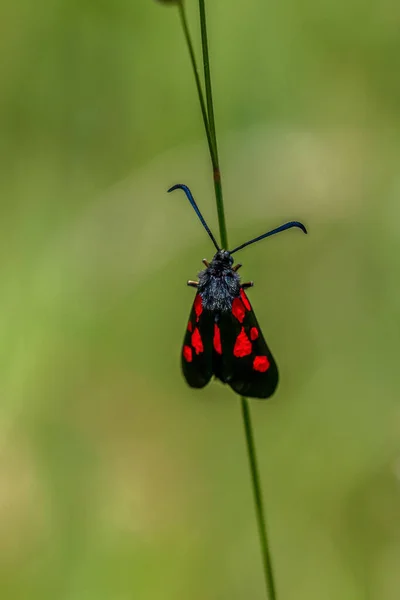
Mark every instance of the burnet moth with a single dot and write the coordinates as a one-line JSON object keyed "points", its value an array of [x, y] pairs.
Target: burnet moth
{"points": [[223, 337]]}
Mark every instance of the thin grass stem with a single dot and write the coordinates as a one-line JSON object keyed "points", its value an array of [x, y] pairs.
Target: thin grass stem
{"points": [[189, 43], [209, 125], [207, 74], [211, 120], [258, 500]]}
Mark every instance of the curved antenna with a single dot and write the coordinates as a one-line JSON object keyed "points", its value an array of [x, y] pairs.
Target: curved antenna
{"points": [[277, 230], [180, 186]]}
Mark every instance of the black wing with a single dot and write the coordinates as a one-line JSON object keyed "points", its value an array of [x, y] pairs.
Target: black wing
{"points": [[241, 356], [197, 347]]}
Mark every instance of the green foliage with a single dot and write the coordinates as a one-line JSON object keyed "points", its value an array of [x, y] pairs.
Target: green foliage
{"points": [[117, 481]]}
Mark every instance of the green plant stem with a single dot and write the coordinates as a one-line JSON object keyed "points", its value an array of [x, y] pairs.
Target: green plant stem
{"points": [[220, 209], [209, 125], [211, 121], [207, 114], [185, 27], [251, 450], [258, 500], [207, 73]]}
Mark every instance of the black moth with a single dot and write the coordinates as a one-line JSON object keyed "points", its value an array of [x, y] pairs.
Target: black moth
{"points": [[223, 337]]}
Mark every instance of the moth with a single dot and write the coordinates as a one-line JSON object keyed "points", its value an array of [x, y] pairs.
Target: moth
{"points": [[223, 337]]}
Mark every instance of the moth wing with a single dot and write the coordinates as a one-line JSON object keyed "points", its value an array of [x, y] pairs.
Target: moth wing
{"points": [[244, 362], [196, 359]]}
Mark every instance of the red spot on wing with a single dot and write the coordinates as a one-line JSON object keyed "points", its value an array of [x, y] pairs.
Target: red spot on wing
{"points": [[245, 299], [242, 345], [254, 333], [198, 306], [261, 363], [217, 339], [190, 326], [238, 309], [187, 353], [197, 341]]}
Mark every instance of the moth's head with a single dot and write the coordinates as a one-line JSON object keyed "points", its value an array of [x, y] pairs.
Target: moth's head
{"points": [[224, 257]]}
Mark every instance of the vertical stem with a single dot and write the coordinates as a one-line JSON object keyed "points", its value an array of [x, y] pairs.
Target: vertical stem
{"points": [[258, 500], [209, 126], [207, 73], [185, 27], [220, 209], [251, 450], [211, 120]]}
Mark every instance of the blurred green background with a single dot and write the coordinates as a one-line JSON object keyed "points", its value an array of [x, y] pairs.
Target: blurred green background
{"points": [[116, 480]]}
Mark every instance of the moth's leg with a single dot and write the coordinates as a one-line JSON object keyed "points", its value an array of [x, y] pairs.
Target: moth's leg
{"points": [[247, 285], [237, 267], [205, 262], [193, 283]]}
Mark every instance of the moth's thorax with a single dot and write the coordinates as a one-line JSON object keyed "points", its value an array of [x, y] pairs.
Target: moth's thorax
{"points": [[219, 284]]}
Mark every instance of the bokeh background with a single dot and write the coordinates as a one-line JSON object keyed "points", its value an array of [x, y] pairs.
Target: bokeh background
{"points": [[116, 480]]}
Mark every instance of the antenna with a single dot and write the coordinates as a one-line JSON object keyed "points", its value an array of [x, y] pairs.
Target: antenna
{"points": [[277, 230], [180, 186]]}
